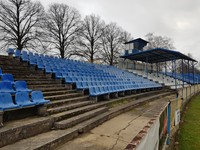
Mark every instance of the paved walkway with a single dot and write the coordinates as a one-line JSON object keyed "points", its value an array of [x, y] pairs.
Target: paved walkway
{"points": [[116, 133]]}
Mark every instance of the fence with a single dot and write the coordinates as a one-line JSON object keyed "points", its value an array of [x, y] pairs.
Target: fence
{"points": [[156, 134]]}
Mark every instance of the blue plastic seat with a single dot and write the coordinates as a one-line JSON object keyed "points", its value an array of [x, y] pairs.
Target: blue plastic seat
{"points": [[58, 75], [8, 77], [38, 98], [21, 86], [23, 99], [32, 61], [48, 69], [85, 85], [6, 102], [30, 54], [92, 91], [79, 85], [10, 51], [24, 53], [134, 86], [55, 69], [1, 72], [40, 65], [74, 79], [6, 87], [24, 56], [68, 79], [99, 90], [17, 53]]}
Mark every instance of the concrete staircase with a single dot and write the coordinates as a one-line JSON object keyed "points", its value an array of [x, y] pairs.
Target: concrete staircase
{"points": [[70, 113]]}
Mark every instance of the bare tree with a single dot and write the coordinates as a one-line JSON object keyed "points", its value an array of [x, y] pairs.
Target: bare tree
{"points": [[157, 41], [61, 27], [89, 38], [113, 41], [19, 22]]}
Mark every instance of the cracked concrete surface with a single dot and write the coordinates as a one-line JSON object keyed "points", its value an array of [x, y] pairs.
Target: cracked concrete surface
{"points": [[116, 133]]}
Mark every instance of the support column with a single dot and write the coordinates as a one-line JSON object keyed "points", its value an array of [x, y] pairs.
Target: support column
{"points": [[168, 122], [42, 110], [147, 66], [175, 74], [1, 118]]}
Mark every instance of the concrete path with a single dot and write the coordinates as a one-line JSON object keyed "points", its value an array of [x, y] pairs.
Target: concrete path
{"points": [[116, 133]]}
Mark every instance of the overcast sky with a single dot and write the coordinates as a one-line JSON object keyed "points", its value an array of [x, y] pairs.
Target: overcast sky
{"points": [[177, 19]]}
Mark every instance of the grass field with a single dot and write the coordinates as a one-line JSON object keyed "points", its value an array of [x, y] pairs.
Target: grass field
{"points": [[189, 137]]}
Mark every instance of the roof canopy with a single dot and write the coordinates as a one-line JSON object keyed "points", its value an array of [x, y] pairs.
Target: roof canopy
{"points": [[137, 40], [157, 55]]}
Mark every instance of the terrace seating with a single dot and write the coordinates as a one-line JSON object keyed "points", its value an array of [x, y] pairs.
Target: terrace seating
{"points": [[38, 98], [21, 86], [189, 78], [1, 73], [98, 79], [6, 102], [23, 99], [8, 77], [10, 51], [6, 87], [17, 53]]}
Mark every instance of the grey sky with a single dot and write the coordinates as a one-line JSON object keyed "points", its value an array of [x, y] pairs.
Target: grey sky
{"points": [[177, 19]]}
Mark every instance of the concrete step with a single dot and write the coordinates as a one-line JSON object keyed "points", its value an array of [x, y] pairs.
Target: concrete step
{"points": [[67, 101], [50, 89], [67, 123], [45, 86], [9, 67], [68, 107], [21, 71], [16, 130], [45, 141], [51, 93], [30, 74], [52, 139], [37, 80], [30, 77], [13, 63], [74, 112], [63, 96], [30, 83]]}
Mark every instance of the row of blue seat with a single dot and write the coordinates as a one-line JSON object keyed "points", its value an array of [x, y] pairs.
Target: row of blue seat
{"points": [[7, 84], [102, 90], [87, 85], [7, 77], [22, 100], [9, 87], [189, 78], [86, 75]]}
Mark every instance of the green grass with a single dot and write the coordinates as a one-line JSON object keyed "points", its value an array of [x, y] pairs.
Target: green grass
{"points": [[189, 137]]}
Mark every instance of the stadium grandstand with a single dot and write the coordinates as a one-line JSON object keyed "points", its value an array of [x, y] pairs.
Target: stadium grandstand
{"points": [[50, 100]]}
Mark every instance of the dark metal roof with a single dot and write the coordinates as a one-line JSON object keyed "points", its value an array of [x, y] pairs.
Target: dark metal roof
{"points": [[137, 40], [157, 55]]}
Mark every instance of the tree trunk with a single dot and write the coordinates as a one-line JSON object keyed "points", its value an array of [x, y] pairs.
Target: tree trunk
{"points": [[62, 53]]}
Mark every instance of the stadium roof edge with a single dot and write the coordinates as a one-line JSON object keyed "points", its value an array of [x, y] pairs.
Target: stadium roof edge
{"points": [[136, 40], [157, 55]]}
